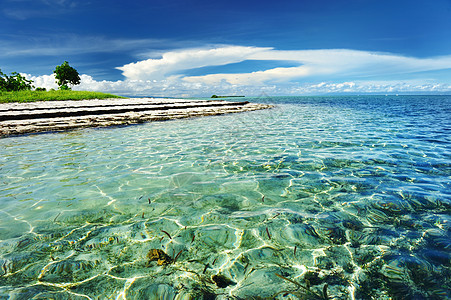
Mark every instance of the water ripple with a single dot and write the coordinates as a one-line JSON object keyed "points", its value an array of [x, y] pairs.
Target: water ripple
{"points": [[352, 192]]}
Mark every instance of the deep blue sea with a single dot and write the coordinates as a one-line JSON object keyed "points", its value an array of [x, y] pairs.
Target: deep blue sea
{"points": [[346, 196]]}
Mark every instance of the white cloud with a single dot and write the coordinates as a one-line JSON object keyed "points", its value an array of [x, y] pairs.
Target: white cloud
{"points": [[53, 45], [331, 63], [381, 87], [25, 9], [255, 78], [175, 61], [43, 81], [328, 63]]}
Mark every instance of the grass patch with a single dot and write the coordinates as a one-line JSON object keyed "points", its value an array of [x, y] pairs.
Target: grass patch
{"points": [[32, 96]]}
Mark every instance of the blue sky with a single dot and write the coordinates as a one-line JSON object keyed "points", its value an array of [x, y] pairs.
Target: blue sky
{"points": [[197, 48]]}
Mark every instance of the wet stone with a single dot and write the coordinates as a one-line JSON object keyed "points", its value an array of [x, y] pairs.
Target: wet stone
{"points": [[160, 256], [222, 281]]}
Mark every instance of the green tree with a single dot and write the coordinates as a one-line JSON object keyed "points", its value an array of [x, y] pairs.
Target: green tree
{"points": [[2, 81], [66, 75], [15, 82]]}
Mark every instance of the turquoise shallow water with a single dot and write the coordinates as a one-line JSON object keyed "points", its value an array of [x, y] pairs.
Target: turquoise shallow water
{"points": [[349, 192]]}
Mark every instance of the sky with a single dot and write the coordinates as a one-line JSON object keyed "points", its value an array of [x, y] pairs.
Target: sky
{"points": [[196, 48]]}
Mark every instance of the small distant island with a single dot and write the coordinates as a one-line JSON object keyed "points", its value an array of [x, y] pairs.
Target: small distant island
{"points": [[216, 96]]}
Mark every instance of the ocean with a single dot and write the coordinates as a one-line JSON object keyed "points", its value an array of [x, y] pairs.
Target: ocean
{"points": [[345, 197]]}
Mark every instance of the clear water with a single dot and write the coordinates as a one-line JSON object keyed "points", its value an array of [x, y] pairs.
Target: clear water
{"points": [[352, 192]]}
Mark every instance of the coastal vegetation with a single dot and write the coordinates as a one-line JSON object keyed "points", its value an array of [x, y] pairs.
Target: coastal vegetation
{"points": [[16, 88], [66, 75], [14, 82], [52, 95]]}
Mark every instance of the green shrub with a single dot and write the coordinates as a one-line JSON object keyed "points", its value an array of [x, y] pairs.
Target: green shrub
{"points": [[14, 82]]}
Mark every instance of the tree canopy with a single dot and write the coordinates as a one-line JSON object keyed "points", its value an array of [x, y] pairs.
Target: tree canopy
{"points": [[65, 75], [14, 82]]}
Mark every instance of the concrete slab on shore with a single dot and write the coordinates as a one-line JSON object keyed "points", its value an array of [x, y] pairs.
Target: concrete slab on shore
{"points": [[41, 116]]}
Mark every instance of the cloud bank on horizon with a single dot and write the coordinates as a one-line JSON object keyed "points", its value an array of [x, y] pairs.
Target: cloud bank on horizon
{"points": [[309, 72]]}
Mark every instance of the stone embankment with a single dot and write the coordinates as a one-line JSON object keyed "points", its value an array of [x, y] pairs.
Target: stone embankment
{"points": [[20, 118]]}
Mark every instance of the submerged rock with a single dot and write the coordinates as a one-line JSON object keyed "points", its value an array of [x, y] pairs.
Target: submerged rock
{"points": [[160, 256], [222, 281]]}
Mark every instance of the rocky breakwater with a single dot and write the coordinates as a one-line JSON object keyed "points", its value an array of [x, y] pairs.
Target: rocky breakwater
{"points": [[20, 118]]}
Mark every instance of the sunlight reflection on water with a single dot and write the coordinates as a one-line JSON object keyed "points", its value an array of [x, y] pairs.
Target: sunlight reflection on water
{"points": [[349, 192]]}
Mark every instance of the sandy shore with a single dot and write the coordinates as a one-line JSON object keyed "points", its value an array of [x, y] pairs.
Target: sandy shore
{"points": [[21, 118]]}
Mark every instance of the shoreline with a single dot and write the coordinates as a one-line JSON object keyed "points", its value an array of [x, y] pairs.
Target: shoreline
{"points": [[50, 116]]}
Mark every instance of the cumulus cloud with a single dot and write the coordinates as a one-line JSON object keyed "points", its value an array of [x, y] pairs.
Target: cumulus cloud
{"points": [[43, 81], [363, 87], [127, 87]]}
